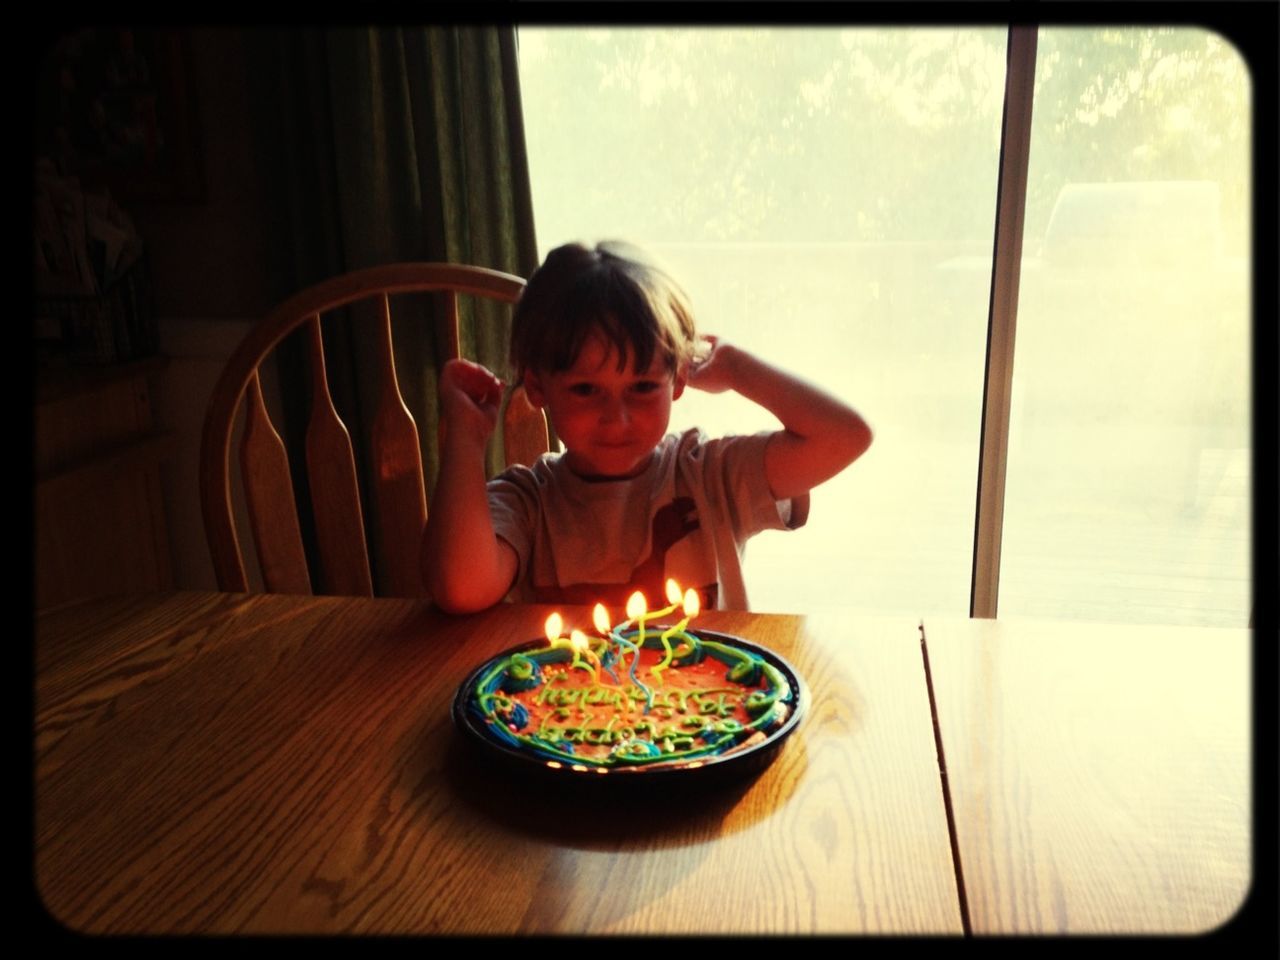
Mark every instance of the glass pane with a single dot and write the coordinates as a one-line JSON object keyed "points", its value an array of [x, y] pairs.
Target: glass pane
{"points": [[1127, 497], [827, 197]]}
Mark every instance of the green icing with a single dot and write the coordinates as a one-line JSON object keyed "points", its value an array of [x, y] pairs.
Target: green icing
{"points": [[650, 725]]}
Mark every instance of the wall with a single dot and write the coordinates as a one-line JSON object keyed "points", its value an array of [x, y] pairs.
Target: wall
{"points": [[207, 269]]}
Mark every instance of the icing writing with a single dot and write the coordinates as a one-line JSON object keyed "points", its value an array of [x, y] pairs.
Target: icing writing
{"points": [[706, 698], [662, 702]]}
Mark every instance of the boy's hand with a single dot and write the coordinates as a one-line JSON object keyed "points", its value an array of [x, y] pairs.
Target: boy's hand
{"points": [[820, 435], [467, 566], [469, 398], [713, 368]]}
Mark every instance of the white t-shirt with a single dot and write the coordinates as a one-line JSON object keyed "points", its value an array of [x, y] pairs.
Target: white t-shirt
{"points": [[687, 517]]}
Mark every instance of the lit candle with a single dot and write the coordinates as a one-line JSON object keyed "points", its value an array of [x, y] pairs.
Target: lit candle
{"points": [[635, 612], [637, 607], [581, 647], [576, 641], [673, 598], [691, 606], [554, 626], [600, 617]]}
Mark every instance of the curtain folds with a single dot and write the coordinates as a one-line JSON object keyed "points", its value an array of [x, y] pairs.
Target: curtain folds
{"points": [[389, 144]]}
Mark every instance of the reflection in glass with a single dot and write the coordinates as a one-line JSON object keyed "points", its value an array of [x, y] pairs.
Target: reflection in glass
{"points": [[827, 197], [806, 187], [1127, 490]]}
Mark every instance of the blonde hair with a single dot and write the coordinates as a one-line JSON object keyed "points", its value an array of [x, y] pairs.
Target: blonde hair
{"points": [[613, 290]]}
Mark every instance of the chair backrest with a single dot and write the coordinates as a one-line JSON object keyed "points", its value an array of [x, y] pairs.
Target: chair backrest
{"points": [[398, 493]]}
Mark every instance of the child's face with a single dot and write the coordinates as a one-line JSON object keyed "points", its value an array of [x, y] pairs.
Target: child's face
{"points": [[610, 420]]}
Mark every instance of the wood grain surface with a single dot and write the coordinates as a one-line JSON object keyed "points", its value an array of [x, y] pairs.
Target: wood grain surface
{"points": [[1099, 774], [228, 763]]}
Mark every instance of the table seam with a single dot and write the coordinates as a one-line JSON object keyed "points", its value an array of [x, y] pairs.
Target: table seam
{"points": [[954, 839]]}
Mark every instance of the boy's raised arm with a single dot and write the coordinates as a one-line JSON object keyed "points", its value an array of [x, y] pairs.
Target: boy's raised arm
{"points": [[821, 434], [467, 567]]}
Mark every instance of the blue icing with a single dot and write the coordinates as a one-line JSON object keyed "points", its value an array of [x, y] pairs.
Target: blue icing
{"points": [[746, 672], [517, 716], [499, 730], [524, 673]]}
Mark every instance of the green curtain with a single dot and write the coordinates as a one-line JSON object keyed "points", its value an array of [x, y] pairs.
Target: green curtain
{"points": [[389, 144]]}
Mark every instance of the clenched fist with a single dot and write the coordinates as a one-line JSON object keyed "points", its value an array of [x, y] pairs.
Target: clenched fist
{"points": [[469, 399]]}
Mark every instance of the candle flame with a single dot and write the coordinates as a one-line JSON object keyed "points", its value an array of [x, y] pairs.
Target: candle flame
{"points": [[673, 592], [600, 617], [691, 603], [555, 623], [636, 606], [579, 641]]}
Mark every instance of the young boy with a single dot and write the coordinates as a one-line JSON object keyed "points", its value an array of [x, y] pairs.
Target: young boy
{"points": [[604, 342]]}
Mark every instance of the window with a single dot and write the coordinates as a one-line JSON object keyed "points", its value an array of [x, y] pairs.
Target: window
{"points": [[828, 196], [1127, 488]]}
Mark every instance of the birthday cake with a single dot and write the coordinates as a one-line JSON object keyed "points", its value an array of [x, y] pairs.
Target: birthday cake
{"points": [[637, 696]]}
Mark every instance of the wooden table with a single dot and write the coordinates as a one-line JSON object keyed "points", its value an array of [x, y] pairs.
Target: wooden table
{"points": [[1099, 775], [225, 763]]}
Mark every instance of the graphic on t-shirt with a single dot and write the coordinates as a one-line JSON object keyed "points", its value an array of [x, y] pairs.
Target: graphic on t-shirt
{"points": [[671, 524]]}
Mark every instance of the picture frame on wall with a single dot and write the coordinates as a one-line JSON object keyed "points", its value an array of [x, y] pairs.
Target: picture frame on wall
{"points": [[118, 110]]}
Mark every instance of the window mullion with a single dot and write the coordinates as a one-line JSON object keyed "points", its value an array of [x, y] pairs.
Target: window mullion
{"points": [[1002, 316]]}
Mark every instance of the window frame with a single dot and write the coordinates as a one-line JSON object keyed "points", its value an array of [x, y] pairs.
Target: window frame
{"points": [[1013, 156], [1002, 316]]}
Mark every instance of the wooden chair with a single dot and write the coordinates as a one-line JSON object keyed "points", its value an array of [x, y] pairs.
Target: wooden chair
{"points": [[399, 496]]}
